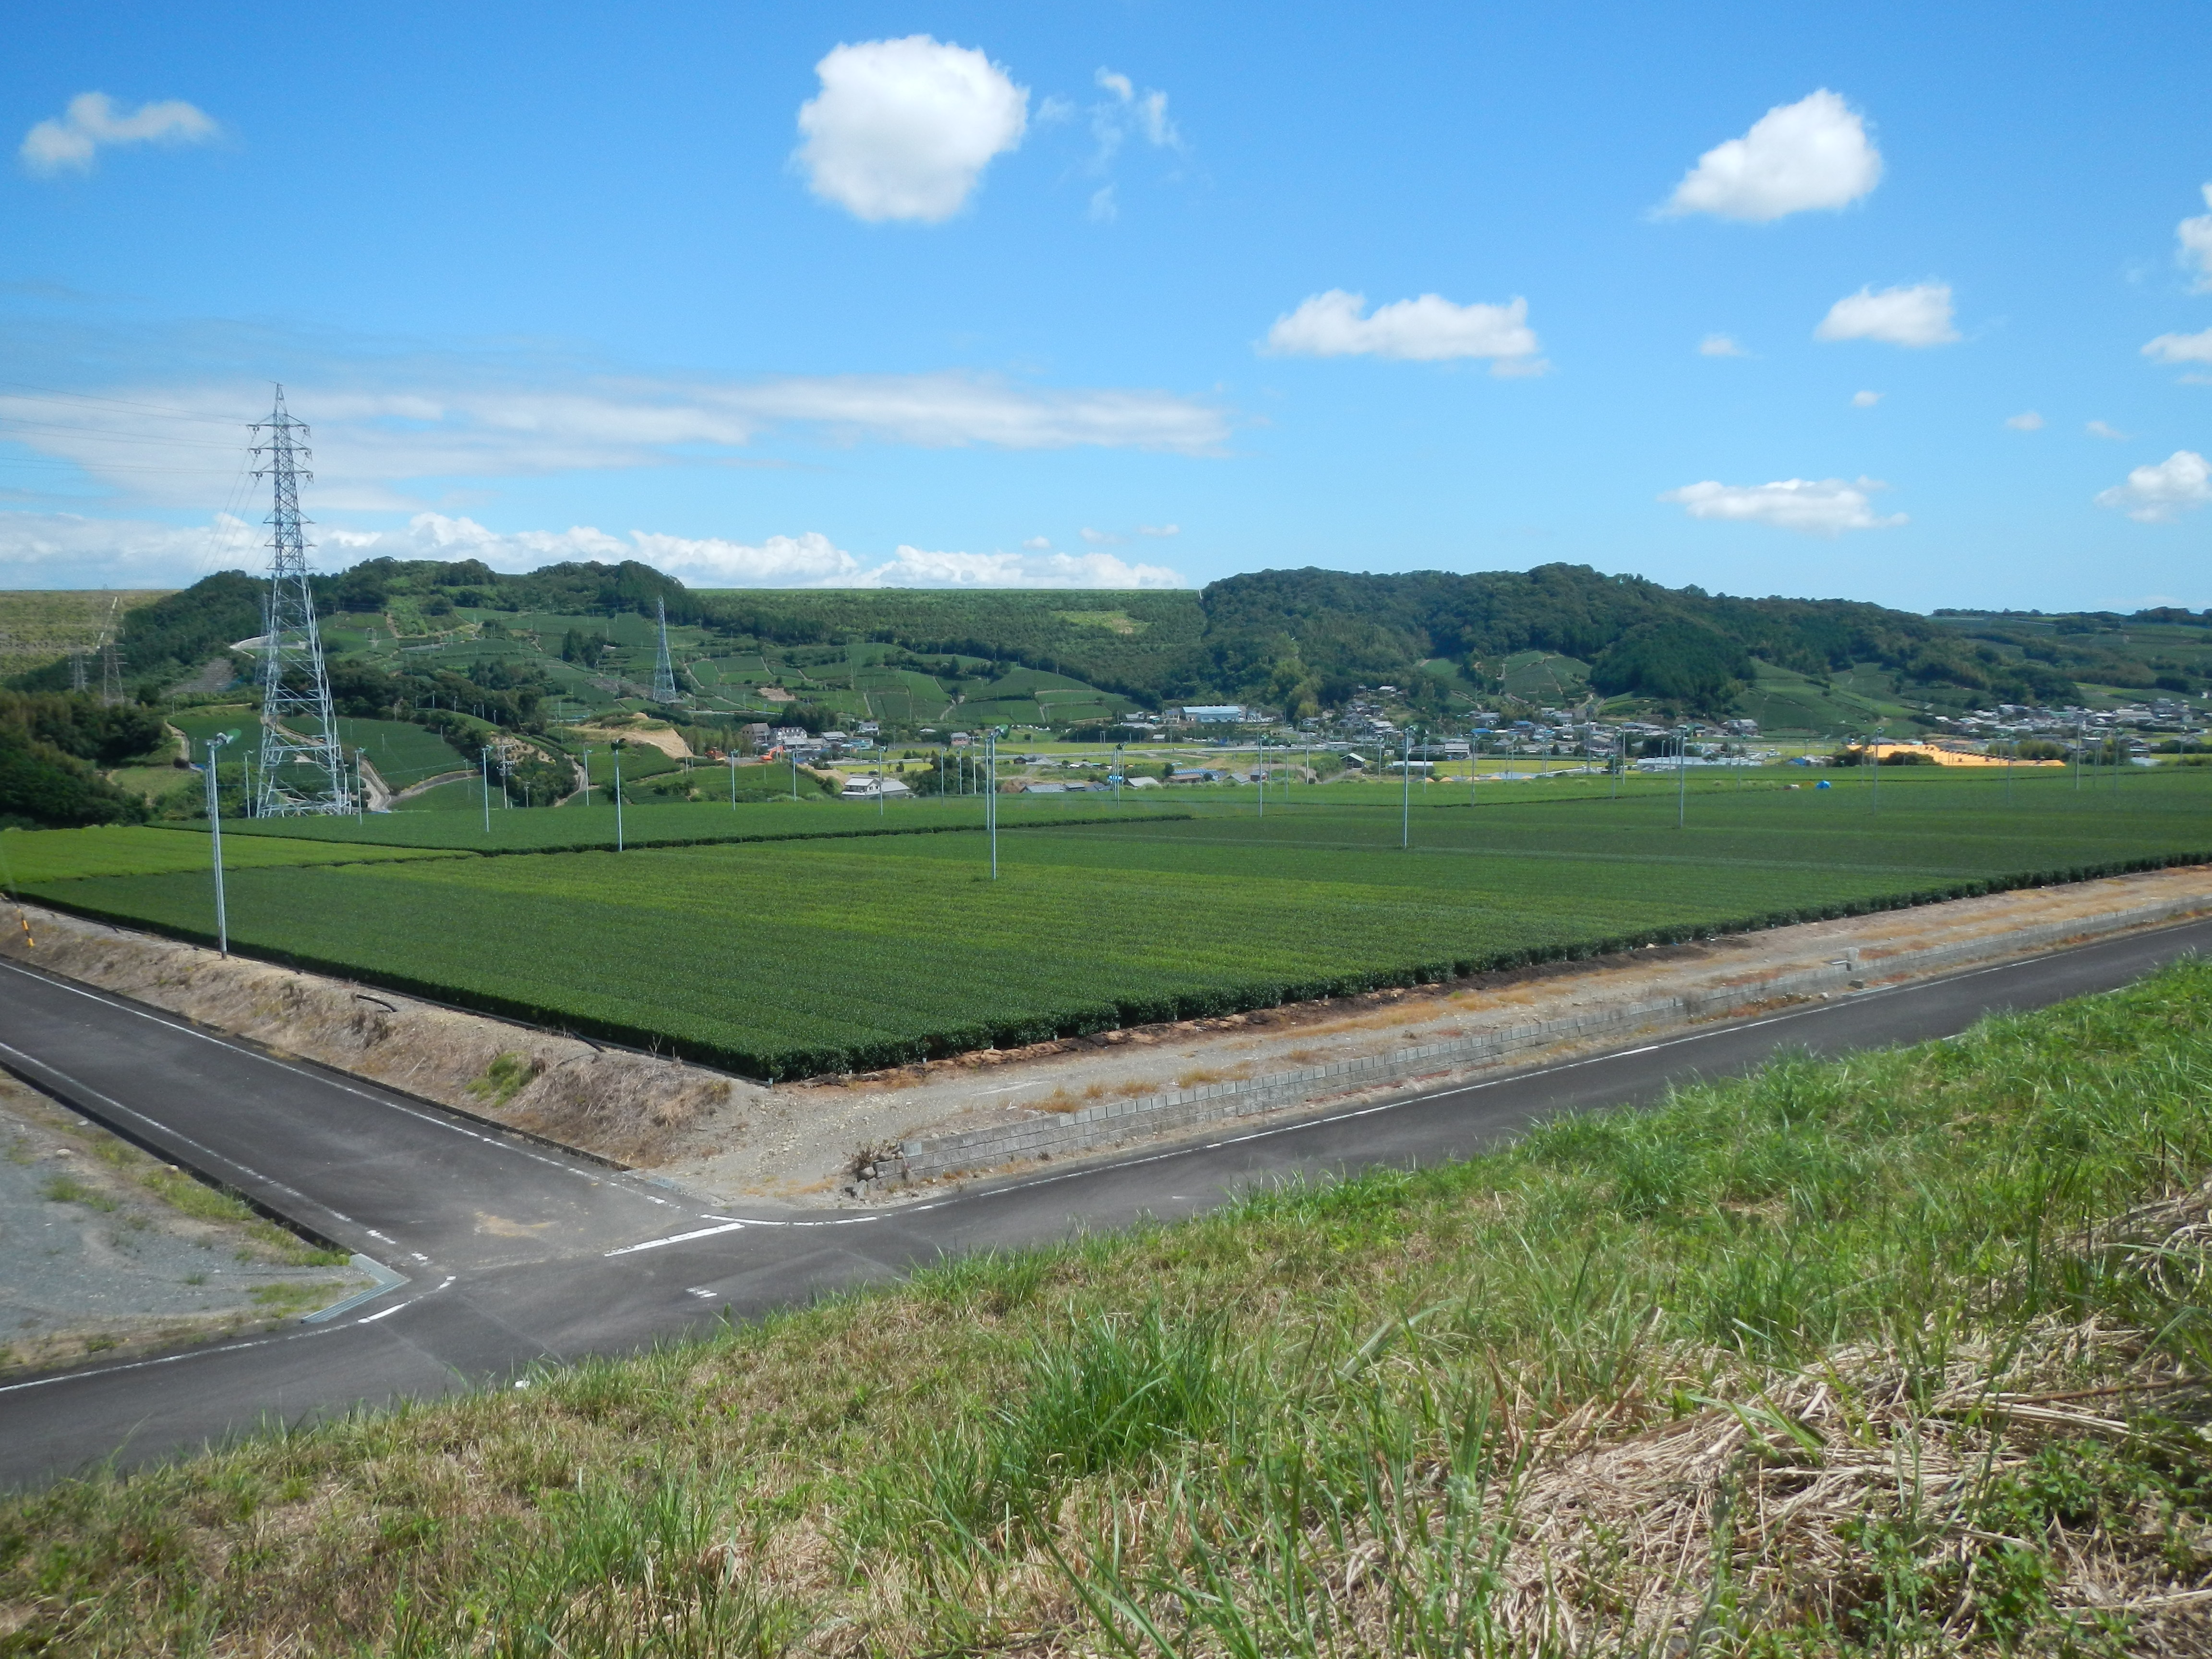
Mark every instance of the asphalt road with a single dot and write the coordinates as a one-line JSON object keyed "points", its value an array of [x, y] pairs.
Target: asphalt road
{"points": [[516, 1256]]}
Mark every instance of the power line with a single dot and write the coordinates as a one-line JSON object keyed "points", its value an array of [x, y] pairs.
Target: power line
{"points": [[44, 394]]}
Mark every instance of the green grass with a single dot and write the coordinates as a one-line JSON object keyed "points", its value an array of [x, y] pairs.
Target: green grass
{"points": [[825, 955], [1898, 1355], [36, 855]]}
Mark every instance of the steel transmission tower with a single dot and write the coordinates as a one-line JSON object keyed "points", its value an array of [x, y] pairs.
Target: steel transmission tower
{"points": [[664, 691], [302, 770]]}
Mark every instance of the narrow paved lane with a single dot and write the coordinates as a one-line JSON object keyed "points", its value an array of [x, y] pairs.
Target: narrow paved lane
{"points": [[574, 1261]]}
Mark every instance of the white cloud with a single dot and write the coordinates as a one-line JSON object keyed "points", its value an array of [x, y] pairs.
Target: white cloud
{"points": [[904, 128], [2099, 430], [1720, 345], [2195, 236], [1916, 316], [1428, 329], [369, 440], [812, 560], [71, 142], [1865, 399], [1161, 530], [65, 549], [1038, 543], [1824, 506], [1104, 209], [2026, 421], [2181, 348], [1100, 538], [2161, 493], [1811, 154], [913, 567]]}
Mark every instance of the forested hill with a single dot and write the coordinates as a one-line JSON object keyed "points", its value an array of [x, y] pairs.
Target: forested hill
{"points": [[1298, 637], [1296, 640]]}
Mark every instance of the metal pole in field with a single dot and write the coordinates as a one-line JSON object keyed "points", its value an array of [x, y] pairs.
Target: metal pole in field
{"points": [[1616, 763], [214, 829], [618, 835], [360, 785], [991, 797], [484, 756], [1119, 762], [587, 774], [1406, 807], [879, 779], [733, 780], [1681, 779], [791, 754]]}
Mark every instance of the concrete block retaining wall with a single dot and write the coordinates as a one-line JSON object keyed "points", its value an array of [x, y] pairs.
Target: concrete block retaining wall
{"points": [[1064, 1134]]}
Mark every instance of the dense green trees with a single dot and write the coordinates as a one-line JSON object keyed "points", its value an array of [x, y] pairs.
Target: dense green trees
{"points": [[48, 746]]}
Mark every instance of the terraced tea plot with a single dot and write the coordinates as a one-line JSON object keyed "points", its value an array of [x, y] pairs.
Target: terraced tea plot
{"points": [[403, 754], [33, 855], [817, 955]]}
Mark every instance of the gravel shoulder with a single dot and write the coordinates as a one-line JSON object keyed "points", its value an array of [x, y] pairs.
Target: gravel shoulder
{"points": [[107, 1252]]}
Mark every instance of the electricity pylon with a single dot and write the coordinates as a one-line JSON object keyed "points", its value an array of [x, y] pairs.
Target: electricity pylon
{"points": [[302, 769], [664, 691]]}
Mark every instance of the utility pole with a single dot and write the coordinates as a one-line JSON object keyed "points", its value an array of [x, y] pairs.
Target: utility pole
{"points": [[484, 756], [1681, 778], [732, 758], [618, 830], [1406, 807], [991, 796], [360, 785], [587, 774], [299, 730], [215, 832], [1120, 761]]}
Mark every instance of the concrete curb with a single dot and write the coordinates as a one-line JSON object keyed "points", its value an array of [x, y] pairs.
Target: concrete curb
{"points": [[1112, 1123]]}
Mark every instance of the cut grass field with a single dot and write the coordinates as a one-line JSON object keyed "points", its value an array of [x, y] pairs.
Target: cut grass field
{"points": [[822, 954], [1908, 1354]]}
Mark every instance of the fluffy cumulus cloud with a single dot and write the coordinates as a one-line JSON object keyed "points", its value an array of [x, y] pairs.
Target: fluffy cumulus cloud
{"points": [[1865, 399], [2161, 493], [2195, 253], [2027, 421], [1916, 316], [2180, 349], [1429, 328], [93, 123], [904, 128], [1720, 345], [811, 560], [1813, 507], [1812, 153]]}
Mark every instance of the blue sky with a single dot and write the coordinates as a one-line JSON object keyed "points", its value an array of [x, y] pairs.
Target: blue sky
{"points": [[1103, 294]]}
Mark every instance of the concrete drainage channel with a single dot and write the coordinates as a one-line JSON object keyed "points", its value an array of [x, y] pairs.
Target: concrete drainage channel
{"points": [[1095, 1129]]}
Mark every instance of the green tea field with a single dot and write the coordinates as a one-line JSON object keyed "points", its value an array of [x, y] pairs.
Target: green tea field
{"points": [[802, 956]]}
